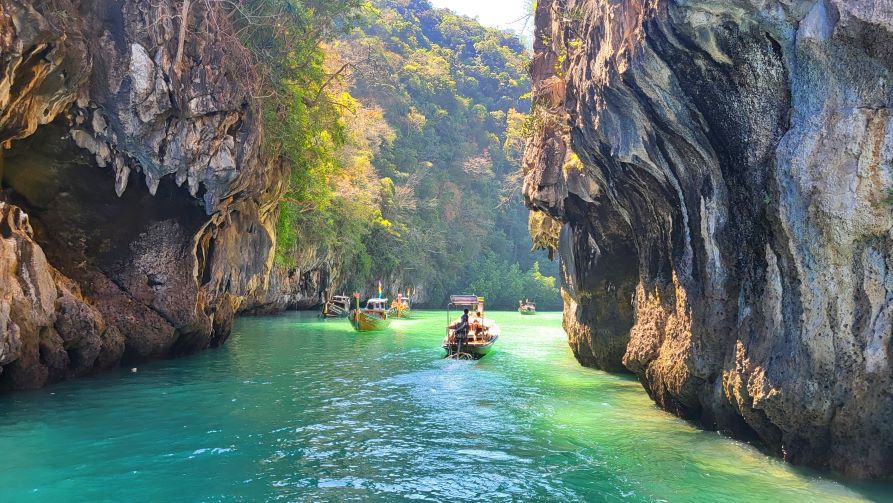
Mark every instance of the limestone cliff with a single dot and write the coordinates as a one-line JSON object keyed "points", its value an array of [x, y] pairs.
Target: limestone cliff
{"points": [[722, 172], [294, 288], [137, 211]]}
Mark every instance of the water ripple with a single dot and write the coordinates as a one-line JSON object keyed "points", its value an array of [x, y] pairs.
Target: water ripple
{"points": [[295, 409]]}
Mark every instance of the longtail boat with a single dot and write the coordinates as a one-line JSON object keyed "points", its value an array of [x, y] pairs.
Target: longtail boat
{"points": [[474, 339], [526, 307], [371, 318], [337, 307], [401, 308]]}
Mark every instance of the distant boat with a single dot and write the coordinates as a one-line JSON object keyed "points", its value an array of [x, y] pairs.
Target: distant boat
{"points": [[401, 308], [337, 307], [475, 340], [526, 307], [373, 317]]}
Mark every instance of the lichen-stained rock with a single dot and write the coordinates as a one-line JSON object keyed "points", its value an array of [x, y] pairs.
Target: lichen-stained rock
{"points": [[81, 328], [728, 219], [30, 349], [153, 208], [43, 63], [48, 331], [293, 288]]}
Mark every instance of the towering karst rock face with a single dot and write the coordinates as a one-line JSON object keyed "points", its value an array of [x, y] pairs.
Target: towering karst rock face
{"points": [[137, 212], [721, 172]]}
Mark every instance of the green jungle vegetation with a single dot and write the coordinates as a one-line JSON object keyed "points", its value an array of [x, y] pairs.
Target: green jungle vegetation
{"points": [[403, 127]]}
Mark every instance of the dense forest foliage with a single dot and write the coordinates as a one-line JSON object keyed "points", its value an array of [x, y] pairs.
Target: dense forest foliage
{"points": [[405, 128]]}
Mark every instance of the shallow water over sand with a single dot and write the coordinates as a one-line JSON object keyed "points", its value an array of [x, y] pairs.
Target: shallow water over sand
{"points": [[298, 409]]}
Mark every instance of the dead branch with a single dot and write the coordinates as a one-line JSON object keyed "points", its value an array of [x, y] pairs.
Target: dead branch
{"points": [[181, 41]]}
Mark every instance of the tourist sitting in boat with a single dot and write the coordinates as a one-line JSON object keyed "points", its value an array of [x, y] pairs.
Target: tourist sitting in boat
{"points": [[476, 324]]}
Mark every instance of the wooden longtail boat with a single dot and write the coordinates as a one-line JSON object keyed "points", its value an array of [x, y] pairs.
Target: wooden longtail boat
{"points": [[372, 318], [337, 307], [472, 341], [526, 307]]}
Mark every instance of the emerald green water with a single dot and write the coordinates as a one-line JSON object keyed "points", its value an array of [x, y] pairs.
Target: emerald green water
{"points": [[296, 409]]}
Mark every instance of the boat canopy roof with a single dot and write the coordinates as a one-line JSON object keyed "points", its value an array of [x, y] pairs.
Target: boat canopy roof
{"points": [[466, 300]]}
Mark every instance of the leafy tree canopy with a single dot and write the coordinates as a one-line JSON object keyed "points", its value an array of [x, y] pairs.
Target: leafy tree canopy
{"points": [[404, 130]]}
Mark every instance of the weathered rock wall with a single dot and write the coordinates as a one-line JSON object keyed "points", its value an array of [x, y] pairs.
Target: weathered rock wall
{"points": [[138, 209], [294, 288], [722, 172]]}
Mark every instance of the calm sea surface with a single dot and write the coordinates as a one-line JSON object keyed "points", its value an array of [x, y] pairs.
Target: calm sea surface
{"points": [[298, 409]]}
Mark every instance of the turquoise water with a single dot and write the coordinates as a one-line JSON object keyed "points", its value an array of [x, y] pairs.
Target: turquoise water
{"points": [[297, 409]]}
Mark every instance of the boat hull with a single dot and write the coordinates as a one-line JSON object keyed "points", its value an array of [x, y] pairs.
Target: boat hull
{"points": [[526, 312], [369, 322], [476, 350], [403, 314]]}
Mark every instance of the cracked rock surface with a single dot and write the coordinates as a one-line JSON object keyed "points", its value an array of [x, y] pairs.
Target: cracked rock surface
{"points": [[720, 172], [137, 212]]}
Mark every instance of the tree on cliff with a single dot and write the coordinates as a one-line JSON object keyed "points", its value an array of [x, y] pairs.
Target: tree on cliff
{"points": [[394, 120], [452, 93]]}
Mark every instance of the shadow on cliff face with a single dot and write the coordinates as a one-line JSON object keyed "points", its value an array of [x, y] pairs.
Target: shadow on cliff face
{"points": [[132, 256], [104, 98], [602, 270], [74, 200]]}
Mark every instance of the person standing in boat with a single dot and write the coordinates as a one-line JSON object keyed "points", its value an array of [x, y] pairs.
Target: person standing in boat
{"points": [[461, 329]]}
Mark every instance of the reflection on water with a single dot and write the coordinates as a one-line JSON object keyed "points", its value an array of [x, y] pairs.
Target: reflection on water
{"points": [[298, 409]]}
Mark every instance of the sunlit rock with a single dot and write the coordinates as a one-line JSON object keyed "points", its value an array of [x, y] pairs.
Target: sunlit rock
{"points": [[734, 226]]}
